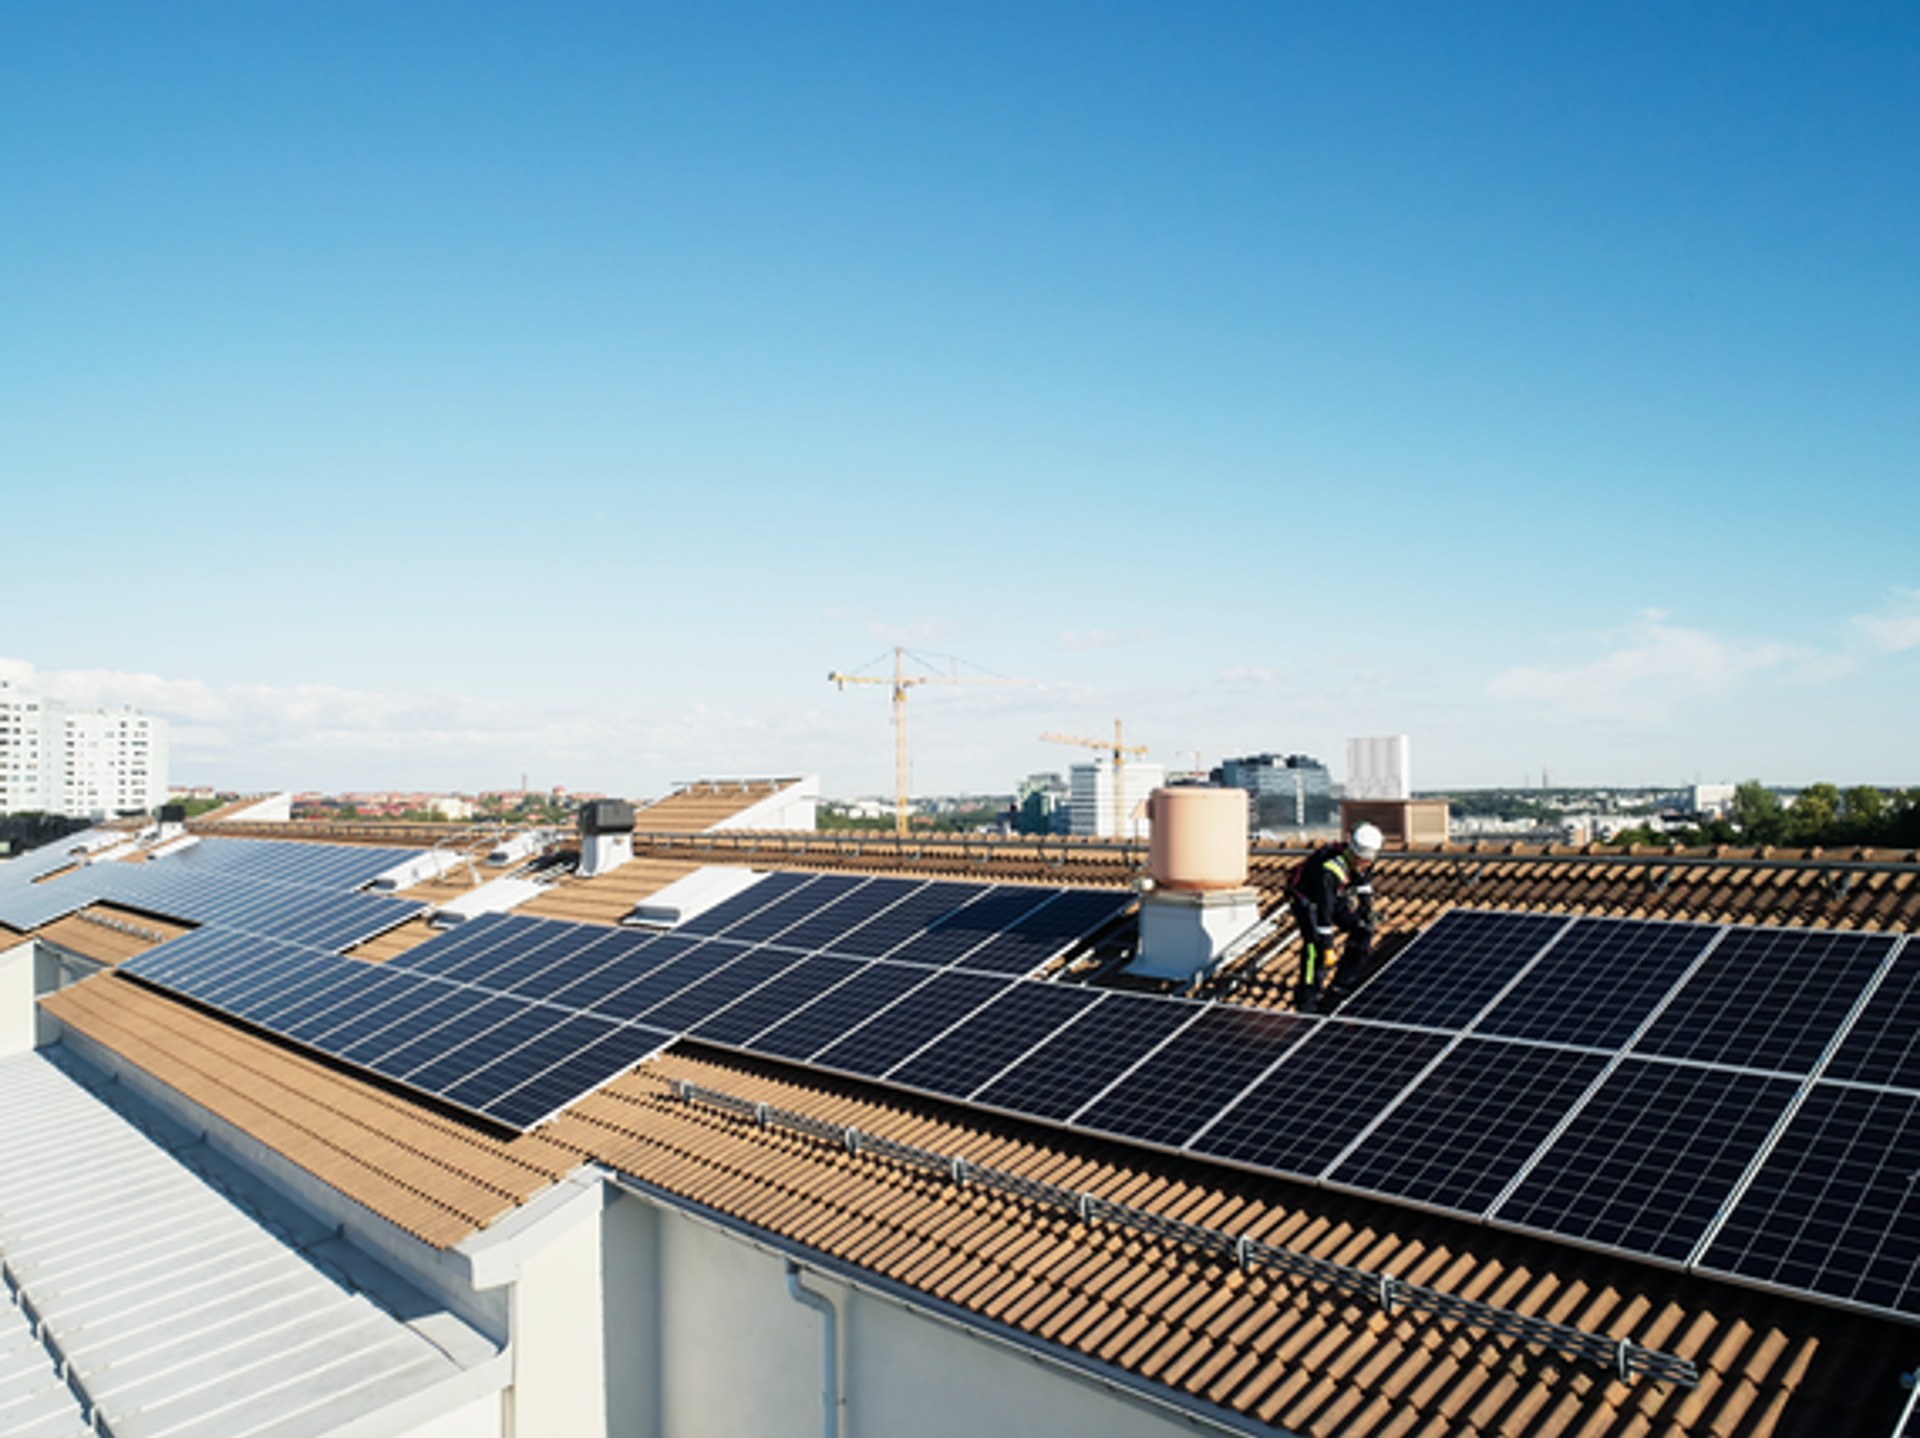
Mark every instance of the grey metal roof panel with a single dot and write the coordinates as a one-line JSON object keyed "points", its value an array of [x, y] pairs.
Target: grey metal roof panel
{"points": [[189, 1299]]}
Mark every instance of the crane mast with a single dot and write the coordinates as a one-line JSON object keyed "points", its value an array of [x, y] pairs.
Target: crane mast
{"points": [[1119, 751], [902, 682]]}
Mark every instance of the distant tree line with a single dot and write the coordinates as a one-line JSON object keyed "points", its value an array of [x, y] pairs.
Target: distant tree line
{"points": [[1823, 815]]}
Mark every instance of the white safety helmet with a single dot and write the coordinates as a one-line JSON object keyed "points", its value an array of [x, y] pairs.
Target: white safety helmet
{"points": [[1365, 842]]}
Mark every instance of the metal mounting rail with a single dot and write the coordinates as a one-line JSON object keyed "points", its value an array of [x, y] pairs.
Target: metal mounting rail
{"points": [[1622, 1357], [121, 926]]}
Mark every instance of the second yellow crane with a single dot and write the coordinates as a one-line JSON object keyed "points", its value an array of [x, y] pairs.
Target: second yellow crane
{"points": [[1119, 752]]}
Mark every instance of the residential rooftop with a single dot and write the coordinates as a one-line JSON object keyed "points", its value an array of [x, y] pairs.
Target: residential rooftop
{"points": [[1244, 1347]]}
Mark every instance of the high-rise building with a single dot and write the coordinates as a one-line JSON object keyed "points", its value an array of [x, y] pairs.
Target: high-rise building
{"points": [[57, 758], [1096, 814], [23, 756], [1041, 805], [1285, 791]]}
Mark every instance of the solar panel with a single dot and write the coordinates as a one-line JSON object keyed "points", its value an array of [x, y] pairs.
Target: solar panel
{"points": [[789, 908], [773, 1001], [973, 1053], [1832, 1209], [582, 956], [505, 1027], [1883, 1046], [1073, 1067], [547, 1093], [1647, 1163], [254, 963], [1446, 976], [700, 1001], [1457, 1138], [994, 912], [367, 986], [1318, 1100], [525, 947], [1599, 983], [455, 945], [628, 964], [302, 995], [1768, 998], [662, 981], [544, 1042], [765, 890], [913, 911], [1043, 934], [481, 1014], [384, 1025], [897, 1031], [848, 1004], [439, 1004], [1199, 1071], [860, 901]]}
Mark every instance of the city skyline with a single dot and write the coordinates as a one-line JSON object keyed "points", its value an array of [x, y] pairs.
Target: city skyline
{"points": [[422, 400]]}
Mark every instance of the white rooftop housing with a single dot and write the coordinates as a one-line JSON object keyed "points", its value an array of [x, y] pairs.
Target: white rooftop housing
{"points": [[1379, 768]]}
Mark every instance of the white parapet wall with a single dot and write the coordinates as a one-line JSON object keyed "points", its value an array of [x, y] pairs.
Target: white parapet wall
{"points": [[17, 993], [268, 809], [791, 807]]}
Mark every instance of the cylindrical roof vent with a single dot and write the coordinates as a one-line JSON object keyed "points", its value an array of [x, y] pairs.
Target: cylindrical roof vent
{"points": [[606, 816], [1199, 838]]}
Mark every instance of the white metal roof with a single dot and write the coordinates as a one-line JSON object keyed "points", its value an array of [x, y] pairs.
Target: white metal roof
{"points": [[187, 1298]]}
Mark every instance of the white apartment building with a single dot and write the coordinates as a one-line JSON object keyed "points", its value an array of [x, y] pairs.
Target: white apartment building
{"points": [[1097, 812], [58, 758]]}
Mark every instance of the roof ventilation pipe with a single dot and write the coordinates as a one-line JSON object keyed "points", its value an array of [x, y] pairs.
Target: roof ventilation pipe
{"points": [[606, 836], [173, 822], [1197, 900]]}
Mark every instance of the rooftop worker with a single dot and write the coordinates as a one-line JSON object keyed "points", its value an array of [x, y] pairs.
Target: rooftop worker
{"points": [[1330, 892]]}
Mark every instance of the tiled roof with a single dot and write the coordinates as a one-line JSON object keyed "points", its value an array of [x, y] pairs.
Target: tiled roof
{"points": [[107, 934], [698, 807], [1257, 1343]]}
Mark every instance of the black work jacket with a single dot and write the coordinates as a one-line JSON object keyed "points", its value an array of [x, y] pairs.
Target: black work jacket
{"points": [[1332, 890]]}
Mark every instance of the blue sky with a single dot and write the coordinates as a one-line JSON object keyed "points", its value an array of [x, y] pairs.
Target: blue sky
{"points": [[430, 395]]}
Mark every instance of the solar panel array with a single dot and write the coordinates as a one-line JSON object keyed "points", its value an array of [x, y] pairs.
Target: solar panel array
{"points": [[514, 1018], [1742, 1102], [20, 890], [1738, 1101], [295, 892]]}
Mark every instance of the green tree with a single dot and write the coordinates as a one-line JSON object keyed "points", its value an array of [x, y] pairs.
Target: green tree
{"points": [[1864, 805], [1757, 812], [1814, 812]]}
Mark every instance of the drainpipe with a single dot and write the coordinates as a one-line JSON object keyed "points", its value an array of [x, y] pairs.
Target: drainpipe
{"points": [[829, 1348]]}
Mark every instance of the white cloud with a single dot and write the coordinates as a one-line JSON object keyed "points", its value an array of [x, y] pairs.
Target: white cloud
{"points": [[1893, 630], [1657, 666], [315, 736]]}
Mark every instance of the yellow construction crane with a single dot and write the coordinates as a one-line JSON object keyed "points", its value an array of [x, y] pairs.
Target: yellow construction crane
{"points": [[901, 682], [1119, 752]]}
